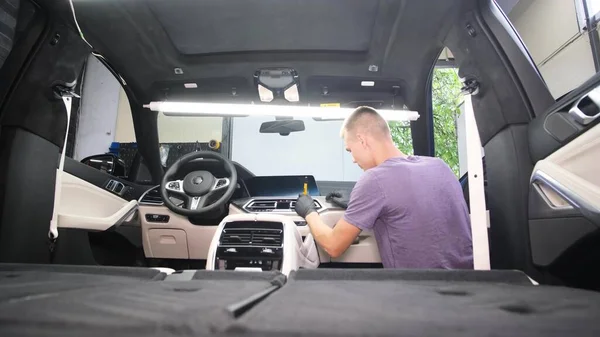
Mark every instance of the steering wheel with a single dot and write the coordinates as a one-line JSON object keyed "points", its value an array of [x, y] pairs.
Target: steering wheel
{"points": [[198, 186]]}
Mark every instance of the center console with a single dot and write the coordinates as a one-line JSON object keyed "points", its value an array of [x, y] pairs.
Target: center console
{"points": [[260, 242]]}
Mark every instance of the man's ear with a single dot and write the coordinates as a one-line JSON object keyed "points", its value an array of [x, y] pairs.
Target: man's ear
{"points": [[361, 139], [364, 141]]}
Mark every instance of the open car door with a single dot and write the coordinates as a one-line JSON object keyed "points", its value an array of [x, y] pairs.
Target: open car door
{"points": [[564, 191], [45, 65]]}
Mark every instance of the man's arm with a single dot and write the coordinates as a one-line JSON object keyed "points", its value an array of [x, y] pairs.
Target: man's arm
{"points": [[334, 240], [365, 205]]}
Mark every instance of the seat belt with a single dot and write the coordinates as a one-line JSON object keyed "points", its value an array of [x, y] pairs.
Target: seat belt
{"points": [[479, 216], [66, 94]]}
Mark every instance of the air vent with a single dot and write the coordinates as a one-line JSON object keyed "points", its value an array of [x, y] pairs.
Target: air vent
{"points": [[259, 237], [273, 205], [234, 237], [152, 197], [293, 204], [262, 206]]}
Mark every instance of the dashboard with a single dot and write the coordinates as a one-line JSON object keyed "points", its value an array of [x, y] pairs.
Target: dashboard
{"points": [[168, 235]]}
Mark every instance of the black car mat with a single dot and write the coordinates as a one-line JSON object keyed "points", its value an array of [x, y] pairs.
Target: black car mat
{"points": [[420, 303], [73, 300], [80, 300]]}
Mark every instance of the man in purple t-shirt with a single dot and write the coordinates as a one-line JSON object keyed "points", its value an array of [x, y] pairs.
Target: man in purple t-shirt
{"points": [[414, 205]]}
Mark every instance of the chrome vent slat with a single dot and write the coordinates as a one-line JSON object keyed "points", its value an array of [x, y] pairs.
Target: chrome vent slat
{"points": [[270, 205], [262, 205], [152, 197]]}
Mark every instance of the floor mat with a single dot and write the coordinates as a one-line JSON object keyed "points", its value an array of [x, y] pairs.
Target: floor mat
{"points": [[61, 303], [350, 303]]}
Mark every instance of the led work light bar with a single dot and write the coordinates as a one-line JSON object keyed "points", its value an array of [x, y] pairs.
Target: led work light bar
{"points": [[184, 109]]}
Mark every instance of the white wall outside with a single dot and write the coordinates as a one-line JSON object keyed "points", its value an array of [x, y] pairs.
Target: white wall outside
{"points": [[317, 151], [99, 105], [562, 52], [569, 68], [125, 132], [189, 129]]}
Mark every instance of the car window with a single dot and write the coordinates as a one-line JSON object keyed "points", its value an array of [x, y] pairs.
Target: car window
{"points": [[450, 132], [555, 33], [102, 123], [318, 150], [447, 120]]}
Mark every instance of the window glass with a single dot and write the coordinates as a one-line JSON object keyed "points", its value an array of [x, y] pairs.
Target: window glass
{"points": [[446, 99], [102, 122], [554, 33], [402, 136], [593, 7]]}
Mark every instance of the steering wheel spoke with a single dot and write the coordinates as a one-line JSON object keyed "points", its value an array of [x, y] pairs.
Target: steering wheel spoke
{"points": [[175, 186], [220, 183], [195, 203]]}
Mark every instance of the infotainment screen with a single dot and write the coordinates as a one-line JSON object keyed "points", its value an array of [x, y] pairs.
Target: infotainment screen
{"points": [[281, 186]]}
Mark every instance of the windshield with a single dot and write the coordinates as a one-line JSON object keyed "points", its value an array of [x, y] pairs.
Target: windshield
{"points": [[318, 150]]}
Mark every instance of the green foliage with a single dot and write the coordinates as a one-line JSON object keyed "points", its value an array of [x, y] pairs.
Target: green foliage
{"points": [[446, 98], [402, 136]]}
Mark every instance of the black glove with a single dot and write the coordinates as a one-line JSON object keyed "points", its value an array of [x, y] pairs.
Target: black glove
{"points": [[339, 198], [304, 205]]}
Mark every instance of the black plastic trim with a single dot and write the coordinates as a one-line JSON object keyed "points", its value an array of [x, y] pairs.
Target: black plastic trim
{"points": [[516, 58]]}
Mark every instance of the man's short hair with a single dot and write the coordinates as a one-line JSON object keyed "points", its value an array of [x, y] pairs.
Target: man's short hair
{"points": [[365, 119]]}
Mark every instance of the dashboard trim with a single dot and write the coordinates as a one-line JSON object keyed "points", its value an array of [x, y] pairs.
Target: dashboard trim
{"points": [[147, 203], [244, 207]]}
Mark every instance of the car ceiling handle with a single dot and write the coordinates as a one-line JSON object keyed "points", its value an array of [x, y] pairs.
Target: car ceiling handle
{"points": [[585, 118], [587, 210]]}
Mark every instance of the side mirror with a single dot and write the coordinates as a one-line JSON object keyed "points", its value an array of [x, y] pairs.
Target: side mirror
{"points": [[108, 163]]}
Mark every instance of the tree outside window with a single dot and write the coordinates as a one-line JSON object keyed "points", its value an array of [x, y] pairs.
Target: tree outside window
{"points": [[446, 98]]}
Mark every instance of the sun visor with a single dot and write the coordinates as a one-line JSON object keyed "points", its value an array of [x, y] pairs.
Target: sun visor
{"points": [[207, 26]]}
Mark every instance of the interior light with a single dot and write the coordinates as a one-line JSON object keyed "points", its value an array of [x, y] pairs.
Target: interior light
{"points": [[238, 110], [291, 94], [265, 94], [367, 83]]}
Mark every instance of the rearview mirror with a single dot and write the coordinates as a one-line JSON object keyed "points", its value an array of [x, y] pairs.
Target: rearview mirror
{"points": [[108, 163], [282, 127]]}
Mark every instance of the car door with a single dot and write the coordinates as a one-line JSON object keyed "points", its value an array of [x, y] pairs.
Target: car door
{"points": [[46, 61], [114, 236], [103, 177], [564, 191]]}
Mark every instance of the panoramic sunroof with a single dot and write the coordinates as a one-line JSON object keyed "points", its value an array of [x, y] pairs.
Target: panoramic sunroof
{"points": [[207, 26]]}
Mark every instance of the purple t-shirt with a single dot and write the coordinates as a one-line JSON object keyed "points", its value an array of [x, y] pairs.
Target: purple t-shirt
{"points": [[416, 208]]}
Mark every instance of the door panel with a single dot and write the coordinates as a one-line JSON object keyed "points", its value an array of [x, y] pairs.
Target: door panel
{"points": [[131, 191], [96, 226], [545, 203], [564, 194], [573, 174], [559, 126], [86, 206], [552, 237]]}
